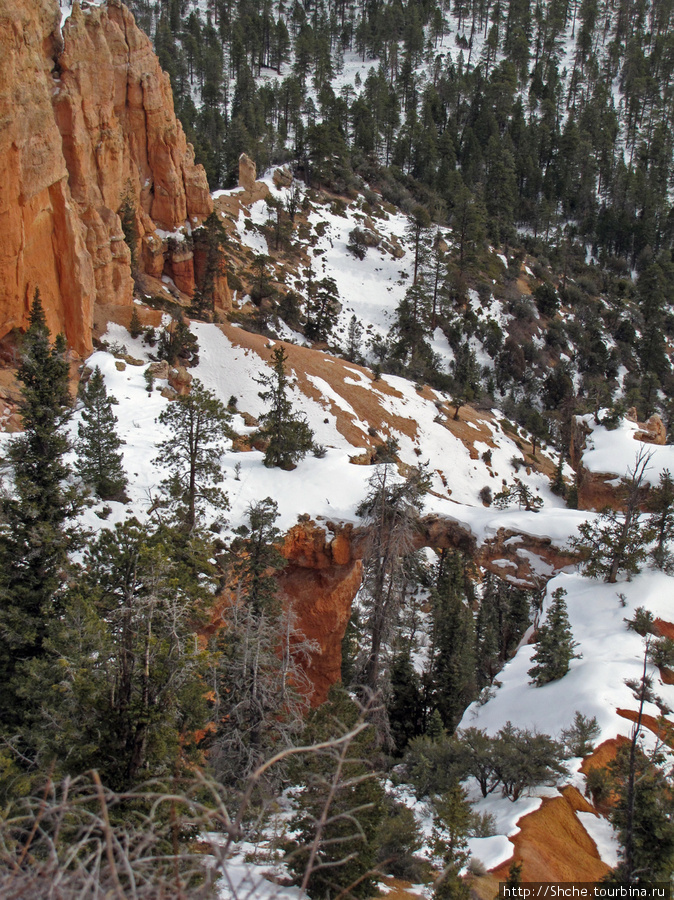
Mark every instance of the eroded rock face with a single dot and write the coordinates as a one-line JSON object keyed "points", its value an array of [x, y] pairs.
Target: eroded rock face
{"points": [[320, 581], [87, 121], [325, 568], [247, 172]]}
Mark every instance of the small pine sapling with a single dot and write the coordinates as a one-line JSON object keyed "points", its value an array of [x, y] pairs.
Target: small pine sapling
{"points": [[579, 737], [100, 461], [288, 433], [135, 326], [518, 493], [555, 648]]}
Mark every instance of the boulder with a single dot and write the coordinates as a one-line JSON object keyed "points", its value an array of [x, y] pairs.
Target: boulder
{"points": [[283, 177]]}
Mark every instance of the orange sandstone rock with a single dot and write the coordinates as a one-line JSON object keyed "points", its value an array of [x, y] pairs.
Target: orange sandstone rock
{"points": [[320, 581], [88, 120], [552, 845]]}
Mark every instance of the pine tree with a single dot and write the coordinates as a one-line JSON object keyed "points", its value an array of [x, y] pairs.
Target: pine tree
{"points": [[36, 536], [100, 462], [322, 310], [135, 326], [418, 234], [554, 650], [451, 827], [390, 511], [643, 815], [451, 677], [121, 687], [211, 239], [256, 557], [199, 424], [340, 805], [579, 737], [524, 759], [616, 542], [353, 338], [661, 520], [177, 344], [404, 705], [288, 434]]}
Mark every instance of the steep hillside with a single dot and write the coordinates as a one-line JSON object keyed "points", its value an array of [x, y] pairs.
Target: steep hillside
{"points": [[448, 315]]}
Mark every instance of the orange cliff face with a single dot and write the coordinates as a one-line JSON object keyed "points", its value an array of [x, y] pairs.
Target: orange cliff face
{"points": [[87, 121], [321, 579]]}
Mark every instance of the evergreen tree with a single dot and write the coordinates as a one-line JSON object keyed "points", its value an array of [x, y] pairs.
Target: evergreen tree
{"points": [[661, 520], [135, 326], [390, 511], [322, 310], [256, 557], [353, 338], [524, 759], [211, 239], [616, 542], [99, 460], [451, 675], [340, 804], [466, 383], [579, 737], [404, 704], [418, 234], [554, 650], [646, 833], [177, 344], [503, 617], [409, 334], [518, 492], [288, 435], [121, 687], [36, 534], [199, 423], [451, 827]]}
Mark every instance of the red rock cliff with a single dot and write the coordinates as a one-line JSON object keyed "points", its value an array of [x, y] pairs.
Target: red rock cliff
{"points": [[87, 118], [320, 581]]}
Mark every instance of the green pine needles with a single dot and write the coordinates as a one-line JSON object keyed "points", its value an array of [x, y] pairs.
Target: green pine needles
{"points": [[199, 424], [288, 434], [100, 461], [37, 533], [556, 645]]}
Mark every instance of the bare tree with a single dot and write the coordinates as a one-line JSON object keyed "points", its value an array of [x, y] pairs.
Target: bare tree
{"points": [[78, 840], [391, 514]]}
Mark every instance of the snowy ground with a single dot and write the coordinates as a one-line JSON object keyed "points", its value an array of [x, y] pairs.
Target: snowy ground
{"points": [[595, 686], [332, 487]]}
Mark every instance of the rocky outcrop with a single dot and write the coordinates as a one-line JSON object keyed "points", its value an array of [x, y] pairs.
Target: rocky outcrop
{"points": [[599, 490], [319, 583], [552, 845], [253, 190], [324, 573], [88, 124], [247, 172], [652, 431]]}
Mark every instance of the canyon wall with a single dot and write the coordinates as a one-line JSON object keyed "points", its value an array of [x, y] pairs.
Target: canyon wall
{"points": [[87, 124]]}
